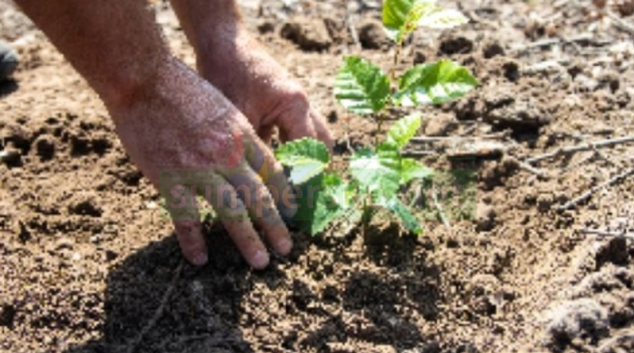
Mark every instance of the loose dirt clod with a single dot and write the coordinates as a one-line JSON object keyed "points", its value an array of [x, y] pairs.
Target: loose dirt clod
{"points": [[582, 318], [372, 35], [308, 34]]}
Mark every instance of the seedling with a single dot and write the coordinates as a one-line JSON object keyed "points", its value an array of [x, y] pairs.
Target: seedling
{"points": [[375, 176]]}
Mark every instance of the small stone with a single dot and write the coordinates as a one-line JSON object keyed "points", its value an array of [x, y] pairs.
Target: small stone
{"points": [[441, 125], [372, 35], [586, 84], [485, 217], [308, 34]]}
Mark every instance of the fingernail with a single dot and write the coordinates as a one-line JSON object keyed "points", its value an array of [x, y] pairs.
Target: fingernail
{"points": [[284, 246], [200, 259], [260, 260]]}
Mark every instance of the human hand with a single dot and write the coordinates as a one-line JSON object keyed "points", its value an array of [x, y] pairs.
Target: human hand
{"points": [[260, 88], [188, 139]]}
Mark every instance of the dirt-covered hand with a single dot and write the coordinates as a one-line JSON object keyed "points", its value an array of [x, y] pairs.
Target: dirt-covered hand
{"points": [[189, 140], [261, 88]]}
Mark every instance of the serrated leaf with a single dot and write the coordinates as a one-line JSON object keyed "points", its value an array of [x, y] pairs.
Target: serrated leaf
{"points": [[306, 157], [436, 83], [408, 220], [413, 169], [403, 130], [402, 17], [361, 87]]}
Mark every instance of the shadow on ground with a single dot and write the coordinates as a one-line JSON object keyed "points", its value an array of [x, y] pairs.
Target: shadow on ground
{"points": [[7, 87], [200, 315], [207, 307]]}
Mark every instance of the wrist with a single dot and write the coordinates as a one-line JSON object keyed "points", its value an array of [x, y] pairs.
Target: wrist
{"points": [[211, 26], [129, 84]]}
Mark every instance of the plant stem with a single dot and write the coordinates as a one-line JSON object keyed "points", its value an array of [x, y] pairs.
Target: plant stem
{"points": [[395, 61], [379, 127], [393, 84], [365, 215]]}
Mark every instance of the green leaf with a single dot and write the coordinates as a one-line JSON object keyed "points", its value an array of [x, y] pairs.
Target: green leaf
{"points": [[306, 157], [361, 87], [413, 169], [403, 130], [408, 220], [436, 83], [376, 172], [324, 199], [442, 19], [402, 17]]}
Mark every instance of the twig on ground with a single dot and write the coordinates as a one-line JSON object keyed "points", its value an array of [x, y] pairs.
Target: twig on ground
{"points": [[580, 148], [597, 152], [620, 23], [529, 168], [554, 65], [426, 139], [159, 311], [353, 32], [441, 212], [604, 233], [586, 195], [552, 41], [456, 148], [469, 130]]}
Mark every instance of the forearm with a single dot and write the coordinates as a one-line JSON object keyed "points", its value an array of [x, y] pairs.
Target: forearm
{"points": [[114, 45], [208, 22]]}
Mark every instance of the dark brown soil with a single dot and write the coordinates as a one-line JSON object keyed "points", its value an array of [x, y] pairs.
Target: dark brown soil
{"points": [[86, 256]]}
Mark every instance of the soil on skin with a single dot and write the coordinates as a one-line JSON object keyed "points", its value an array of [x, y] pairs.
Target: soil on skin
{"points": [[86, 256]]}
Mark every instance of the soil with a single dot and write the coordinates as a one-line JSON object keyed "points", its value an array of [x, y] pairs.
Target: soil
{"points": [[86, 257]]}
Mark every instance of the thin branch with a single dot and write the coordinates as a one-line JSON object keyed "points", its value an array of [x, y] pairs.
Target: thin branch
{"points": [[353, 32], [529, 168], [620, 23], [581, 148], [604, 233], [592, 191], [426, 139], [552, 41], [159, 311]]}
